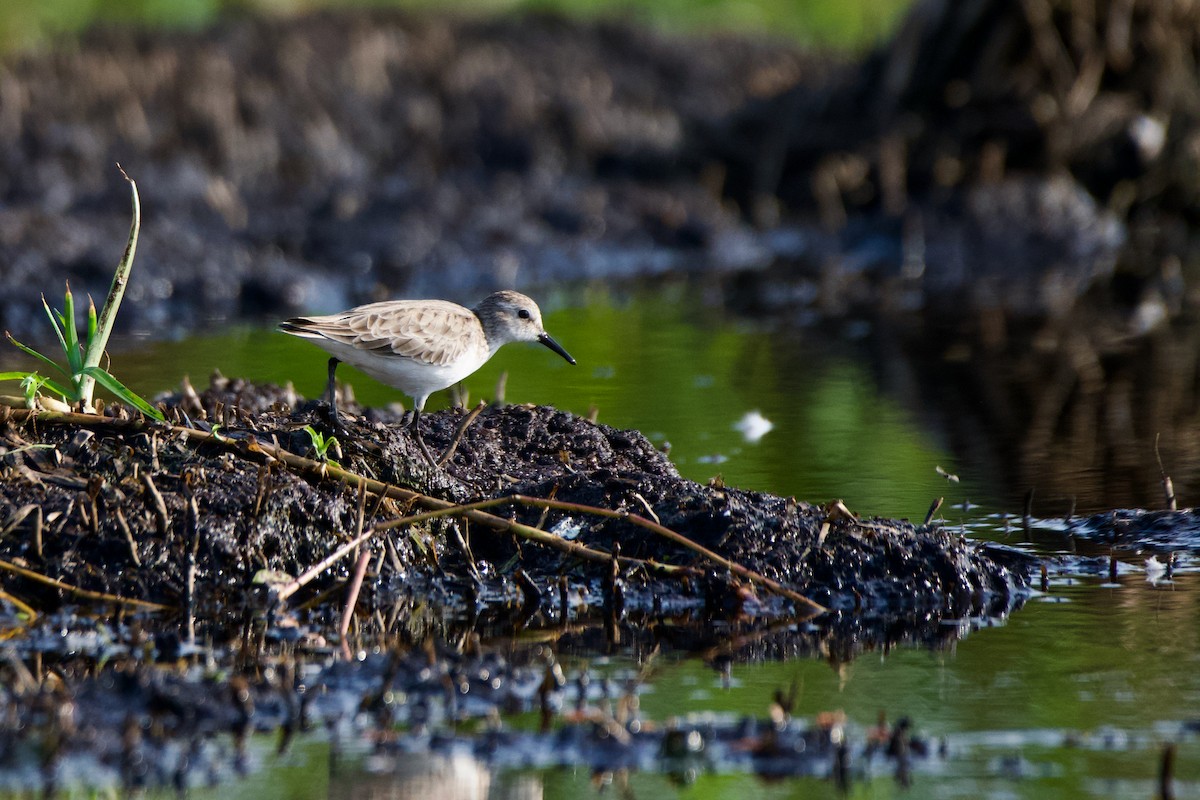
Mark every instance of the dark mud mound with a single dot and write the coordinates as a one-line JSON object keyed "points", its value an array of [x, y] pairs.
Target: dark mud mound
{"points": [[134, 510]]}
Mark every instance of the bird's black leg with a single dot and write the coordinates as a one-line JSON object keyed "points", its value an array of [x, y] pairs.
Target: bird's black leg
{"points": [[332, 391], [416, 431]]}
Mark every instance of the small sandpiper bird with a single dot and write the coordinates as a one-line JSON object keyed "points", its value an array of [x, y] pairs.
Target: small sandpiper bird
{"points": [[421, 346]]}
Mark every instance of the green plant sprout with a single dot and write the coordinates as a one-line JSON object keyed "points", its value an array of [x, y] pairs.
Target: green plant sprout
{"points": [[323, 444], [82, 370]]}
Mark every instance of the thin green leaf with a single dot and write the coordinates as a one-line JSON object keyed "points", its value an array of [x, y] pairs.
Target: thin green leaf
{"points": [[74, 355], [60, 390], [98, 341], [14, 376], [33, 383], [58, 329], [116, 291], [91, 321], [102, 377], [30, 351], [29, 447]]}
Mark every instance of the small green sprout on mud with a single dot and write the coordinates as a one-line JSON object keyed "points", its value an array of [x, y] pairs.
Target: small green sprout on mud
{"points": [[80, 375], [31, 384], [322, 444], [82, 370]]}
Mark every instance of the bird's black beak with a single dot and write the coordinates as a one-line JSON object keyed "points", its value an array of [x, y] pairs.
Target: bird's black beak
{"points": [[545, 339]]}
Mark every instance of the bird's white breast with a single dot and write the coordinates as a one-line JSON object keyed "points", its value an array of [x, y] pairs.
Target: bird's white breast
{"points": [[415, 378]]}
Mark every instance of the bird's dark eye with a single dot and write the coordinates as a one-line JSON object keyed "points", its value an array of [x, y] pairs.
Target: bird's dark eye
{"points": [[524, 313]]}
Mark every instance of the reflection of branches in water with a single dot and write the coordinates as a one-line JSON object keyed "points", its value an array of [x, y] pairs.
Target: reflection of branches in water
{"points": [[645, 630], [1071, 408]]}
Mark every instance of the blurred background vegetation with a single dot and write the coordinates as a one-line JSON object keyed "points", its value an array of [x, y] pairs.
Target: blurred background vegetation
{"points": [[840, 24]]}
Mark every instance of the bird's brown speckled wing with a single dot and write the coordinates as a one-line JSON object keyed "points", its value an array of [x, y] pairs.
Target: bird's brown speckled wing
{"points": [[429, 331]]}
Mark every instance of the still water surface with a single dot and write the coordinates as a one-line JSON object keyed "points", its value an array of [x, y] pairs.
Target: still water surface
{"points": [[1072, 697]]}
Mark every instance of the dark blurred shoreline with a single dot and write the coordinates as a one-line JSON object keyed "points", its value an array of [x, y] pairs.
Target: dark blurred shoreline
{"points": [[293, 164]]}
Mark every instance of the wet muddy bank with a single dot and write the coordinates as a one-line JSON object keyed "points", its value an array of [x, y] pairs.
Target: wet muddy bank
{"points": [[183, 534], [125, 506]]}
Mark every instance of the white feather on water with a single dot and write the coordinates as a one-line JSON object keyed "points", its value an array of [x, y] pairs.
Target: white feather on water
{"points": [[753, 426]]}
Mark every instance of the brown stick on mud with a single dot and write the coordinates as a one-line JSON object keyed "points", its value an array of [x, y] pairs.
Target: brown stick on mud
{"points": [[474, 512], [157, 504], [86, 594], [123, 524], [356, 582], [679, 539], [288, 589], [360, 571], [1168, 487], [244, 446], [458, 433], [933, 509], [193, 552]]}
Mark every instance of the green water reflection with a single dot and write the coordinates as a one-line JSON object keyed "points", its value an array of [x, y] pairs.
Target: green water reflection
{"points": [[1081, 658]]}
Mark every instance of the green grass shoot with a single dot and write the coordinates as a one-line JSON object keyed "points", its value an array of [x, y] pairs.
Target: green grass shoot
{"points": [[81, 370], [322, 444]]}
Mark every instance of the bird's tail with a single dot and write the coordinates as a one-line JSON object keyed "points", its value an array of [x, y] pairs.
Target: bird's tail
{"points": [[299, 326]]}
